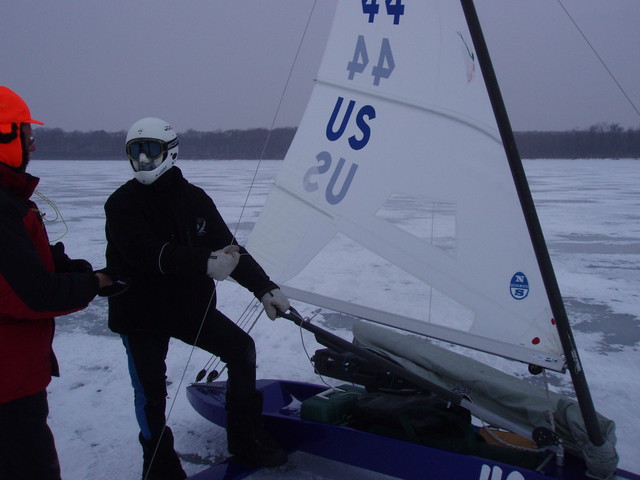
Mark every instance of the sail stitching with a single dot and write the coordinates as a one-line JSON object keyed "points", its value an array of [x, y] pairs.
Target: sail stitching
{"points": [[484, 128]]}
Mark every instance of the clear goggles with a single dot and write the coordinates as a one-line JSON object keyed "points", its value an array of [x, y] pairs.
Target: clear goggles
{"points": [[151, 147]]}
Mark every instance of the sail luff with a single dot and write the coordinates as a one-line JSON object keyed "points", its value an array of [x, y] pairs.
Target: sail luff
{"points": [[474, 123], [533, 224]]}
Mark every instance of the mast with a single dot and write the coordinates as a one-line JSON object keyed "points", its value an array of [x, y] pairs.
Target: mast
{"points": [[535, 230]]}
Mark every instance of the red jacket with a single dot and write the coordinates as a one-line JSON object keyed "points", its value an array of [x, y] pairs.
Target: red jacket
{"points": [[31, 294]]}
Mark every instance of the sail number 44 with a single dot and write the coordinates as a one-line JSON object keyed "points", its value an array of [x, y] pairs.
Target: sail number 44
{"points": [[385, 65], [394, 8]]}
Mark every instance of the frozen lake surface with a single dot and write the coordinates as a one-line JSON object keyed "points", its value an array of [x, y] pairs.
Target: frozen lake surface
{"points": [[589, 211]]}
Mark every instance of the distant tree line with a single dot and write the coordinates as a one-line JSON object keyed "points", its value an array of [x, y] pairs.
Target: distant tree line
{"points": [[57, 144], [600, 141]]}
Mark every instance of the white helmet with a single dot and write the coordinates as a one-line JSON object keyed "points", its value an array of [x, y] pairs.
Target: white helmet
{"points": [[152, 148]]}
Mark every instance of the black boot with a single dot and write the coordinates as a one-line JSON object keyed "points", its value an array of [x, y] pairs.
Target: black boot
{"points": [[247, 439], [160, 461]]}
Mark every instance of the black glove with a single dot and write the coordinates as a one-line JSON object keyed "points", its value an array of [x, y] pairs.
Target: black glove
{"points": [[63, 264], [120, 282]]}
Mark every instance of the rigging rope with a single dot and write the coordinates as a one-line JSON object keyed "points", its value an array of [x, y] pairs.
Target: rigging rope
{"points": [[58, 215], [264, 147], [254, 302], [275, 116], [599, 58]]}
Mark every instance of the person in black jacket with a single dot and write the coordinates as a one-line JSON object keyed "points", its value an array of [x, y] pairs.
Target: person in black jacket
{"points": [[168, 237]]}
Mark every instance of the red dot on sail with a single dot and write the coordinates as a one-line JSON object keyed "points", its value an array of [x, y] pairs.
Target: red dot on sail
{"points": [[553, 321], [535, 341]]}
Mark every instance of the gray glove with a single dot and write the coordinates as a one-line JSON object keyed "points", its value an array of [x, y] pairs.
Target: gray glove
{"points": [[273, 302], [222, 262]]}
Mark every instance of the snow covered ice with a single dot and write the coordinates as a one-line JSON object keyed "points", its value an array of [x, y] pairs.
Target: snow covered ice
{"points": [[589, 214]]}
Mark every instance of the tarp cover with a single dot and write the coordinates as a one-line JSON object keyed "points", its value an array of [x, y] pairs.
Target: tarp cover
{"points": [[512, 398]]}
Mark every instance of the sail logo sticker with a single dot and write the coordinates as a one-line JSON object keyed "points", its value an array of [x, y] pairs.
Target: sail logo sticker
{"points": [[519, 286]]}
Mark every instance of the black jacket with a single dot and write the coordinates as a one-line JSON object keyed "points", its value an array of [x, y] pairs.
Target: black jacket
{"points": [[160, 236]]}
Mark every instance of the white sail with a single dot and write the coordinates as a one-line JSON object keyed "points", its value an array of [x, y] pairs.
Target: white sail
{"points": [[398, 170]]}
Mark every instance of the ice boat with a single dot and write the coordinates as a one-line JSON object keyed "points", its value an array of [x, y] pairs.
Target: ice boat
{"points": [[406, 116]]}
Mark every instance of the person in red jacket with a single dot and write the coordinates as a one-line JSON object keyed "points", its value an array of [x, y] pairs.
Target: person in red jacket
{"points": [[37, 282]]}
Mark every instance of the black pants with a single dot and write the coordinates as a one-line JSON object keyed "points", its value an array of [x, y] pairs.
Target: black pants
{"points": [[147, 353], [27, 448]]}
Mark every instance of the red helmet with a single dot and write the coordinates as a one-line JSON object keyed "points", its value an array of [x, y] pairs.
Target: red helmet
{"points": [[13, 111]]}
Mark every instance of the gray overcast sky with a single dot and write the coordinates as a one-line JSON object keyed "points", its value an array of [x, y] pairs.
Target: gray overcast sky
{"points": [[223, 64]]}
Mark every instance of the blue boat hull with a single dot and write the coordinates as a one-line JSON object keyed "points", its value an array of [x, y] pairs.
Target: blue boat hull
{"points": [[376, 453]]}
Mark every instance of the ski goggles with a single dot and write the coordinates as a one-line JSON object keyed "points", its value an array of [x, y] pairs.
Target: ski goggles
{"points": [[151, 147]]}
